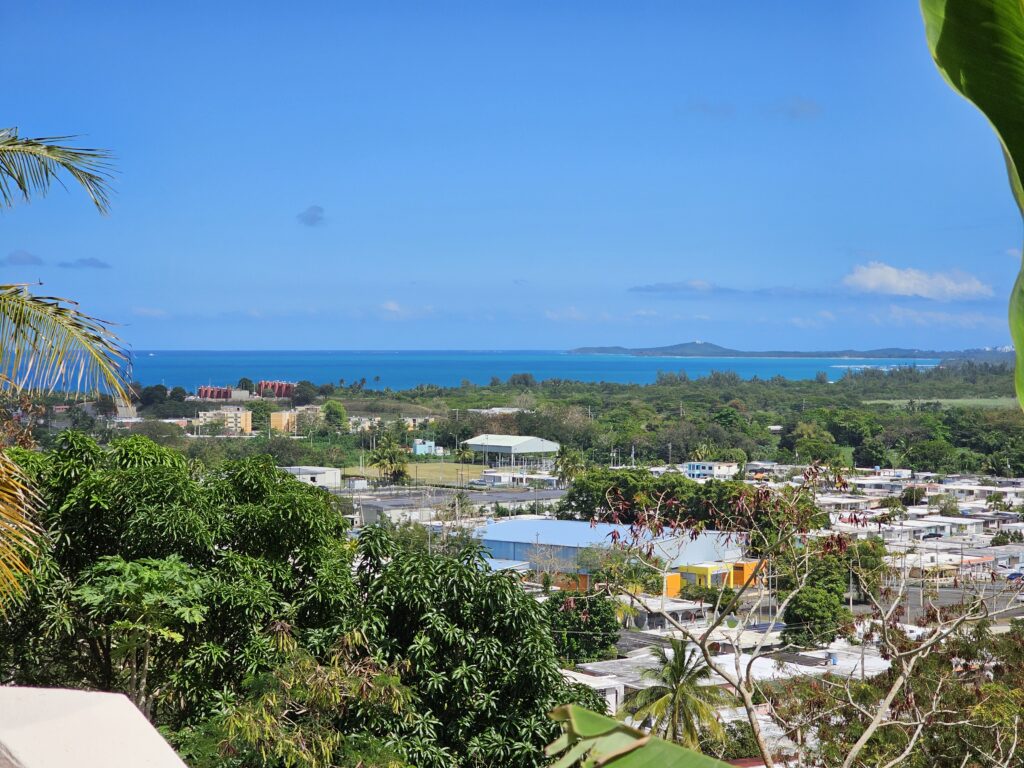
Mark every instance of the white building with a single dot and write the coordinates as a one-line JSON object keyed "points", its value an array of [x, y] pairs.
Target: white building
{"points": [[513, 450], [957, 525], [607, 687], [322, 477], [49, 727], [710, 470]]}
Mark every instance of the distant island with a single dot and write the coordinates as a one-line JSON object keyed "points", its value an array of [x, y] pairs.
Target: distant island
{"points": [[708, 349]]}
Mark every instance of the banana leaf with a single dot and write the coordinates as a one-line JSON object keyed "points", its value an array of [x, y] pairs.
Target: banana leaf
{"points": [[590, 740], [978, 46]]}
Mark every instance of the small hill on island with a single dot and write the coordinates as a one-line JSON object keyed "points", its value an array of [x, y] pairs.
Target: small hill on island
{"points": [[709, 349]]}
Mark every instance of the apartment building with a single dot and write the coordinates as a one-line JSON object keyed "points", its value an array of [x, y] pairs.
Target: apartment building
{"points": [[236, 420]]}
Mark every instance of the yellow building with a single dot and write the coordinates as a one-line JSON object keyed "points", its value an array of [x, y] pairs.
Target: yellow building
{"points": [[743, 571], [295, 420], [235, 419], [715, 574], [283, 421]]}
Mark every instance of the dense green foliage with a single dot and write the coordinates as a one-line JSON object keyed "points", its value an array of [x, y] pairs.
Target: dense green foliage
{"points": [[947, 419], [200, 592], [620, 490], [584, 626]]}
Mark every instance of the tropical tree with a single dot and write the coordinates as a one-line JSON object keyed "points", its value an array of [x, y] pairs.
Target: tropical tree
{"points": [[702, 452], [464, 455], [389, 457], [569, 464], [584, 626], [46, 343], [679, 704], [30, 166], [335, 414]]}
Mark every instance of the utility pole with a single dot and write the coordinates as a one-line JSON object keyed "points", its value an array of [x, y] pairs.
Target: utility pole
{"points": [[851, 585]]}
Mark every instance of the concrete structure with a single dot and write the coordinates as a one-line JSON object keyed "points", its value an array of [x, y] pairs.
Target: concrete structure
{"points": [[683, 611], [363, 423], [236, 419], [607, 688], [422, 447], [285, 422], [223, 393], [956, 525], [275, 388], [838, 659], [294, 420], [844, 502], [710, 470], [520, 477], [322, 477], [511, 450], [54, 728], [712, 574], [422, 505]]}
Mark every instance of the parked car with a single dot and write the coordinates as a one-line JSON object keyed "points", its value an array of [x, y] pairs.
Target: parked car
{"points": [[928, 536]]}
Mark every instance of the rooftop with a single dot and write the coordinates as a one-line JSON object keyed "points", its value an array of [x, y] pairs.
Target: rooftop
{"points": [[581, 535], [514, 444]]}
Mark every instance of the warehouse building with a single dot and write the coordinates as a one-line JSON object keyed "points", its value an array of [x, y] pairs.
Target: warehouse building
{"points": [[514, 451], [556, 545]]}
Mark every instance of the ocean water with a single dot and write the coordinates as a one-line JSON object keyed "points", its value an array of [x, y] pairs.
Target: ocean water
{"points": [[403, 370]]}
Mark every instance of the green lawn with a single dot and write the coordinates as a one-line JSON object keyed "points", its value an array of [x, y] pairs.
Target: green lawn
{"points": [[428, 472], [956, 402]]}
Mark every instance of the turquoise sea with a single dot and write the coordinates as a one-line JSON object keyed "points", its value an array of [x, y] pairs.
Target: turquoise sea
{"points": [[403, 370]]}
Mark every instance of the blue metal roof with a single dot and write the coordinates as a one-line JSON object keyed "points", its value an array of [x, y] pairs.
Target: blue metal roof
{"points": [[513, 538], [564, 533]]}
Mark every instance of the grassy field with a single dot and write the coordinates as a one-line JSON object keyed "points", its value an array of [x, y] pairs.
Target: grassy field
{"points": [[428, 472], [959, 402]]}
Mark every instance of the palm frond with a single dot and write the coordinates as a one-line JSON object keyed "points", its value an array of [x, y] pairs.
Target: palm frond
{"points": [[46, 344], [30, 166], [19, 536]]}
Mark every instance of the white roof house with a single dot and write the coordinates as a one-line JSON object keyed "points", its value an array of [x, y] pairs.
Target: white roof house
{"points": [[956, 524], [325, 477], [510, 445], [55, 728]]}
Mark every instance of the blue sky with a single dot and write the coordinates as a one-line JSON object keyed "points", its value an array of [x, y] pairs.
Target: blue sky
{"points": [[469, 175]]}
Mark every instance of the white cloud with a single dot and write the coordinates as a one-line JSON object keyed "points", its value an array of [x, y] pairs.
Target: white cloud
{"points": [[879, 277], [898, 315], [393, 307], [1013, 252]]}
